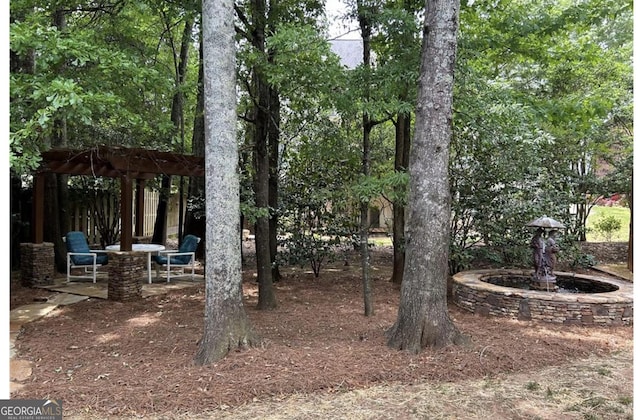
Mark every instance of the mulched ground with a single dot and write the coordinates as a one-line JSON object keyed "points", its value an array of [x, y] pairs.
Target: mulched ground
{"points": [[137, 358]]}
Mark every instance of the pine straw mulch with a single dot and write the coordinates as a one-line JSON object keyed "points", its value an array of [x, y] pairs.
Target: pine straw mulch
{"points": [[136, 359]]}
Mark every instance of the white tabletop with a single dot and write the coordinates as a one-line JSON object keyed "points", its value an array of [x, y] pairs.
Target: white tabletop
{"points": [[138, 247]]}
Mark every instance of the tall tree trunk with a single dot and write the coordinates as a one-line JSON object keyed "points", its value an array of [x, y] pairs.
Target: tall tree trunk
{"points": [[423, 319], [160, 225], [177, 109], [177, 118], [262, 101], [365, 29], [226, 326], [274, 146], [195, 221], [57, 189], [266, 295], [403, 142]]}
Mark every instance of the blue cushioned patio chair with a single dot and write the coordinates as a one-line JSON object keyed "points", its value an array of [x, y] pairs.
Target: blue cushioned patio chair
{"points": [[183, 257], [79, 255]]}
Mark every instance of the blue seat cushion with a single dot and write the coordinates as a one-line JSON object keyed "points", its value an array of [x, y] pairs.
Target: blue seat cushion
{"points": [[88, 260], [76, 242], [189, 244], [178, 260]]}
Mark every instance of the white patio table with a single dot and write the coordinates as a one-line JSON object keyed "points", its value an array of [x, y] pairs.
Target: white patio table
{"points": [[148, 248]]}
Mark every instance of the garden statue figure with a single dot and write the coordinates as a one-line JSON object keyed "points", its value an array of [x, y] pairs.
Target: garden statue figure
{"points": [[538, 245], [544, 253], [550, 250]]}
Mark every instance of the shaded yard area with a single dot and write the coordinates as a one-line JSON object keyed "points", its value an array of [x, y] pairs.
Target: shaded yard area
{"points": [[107, 359]]}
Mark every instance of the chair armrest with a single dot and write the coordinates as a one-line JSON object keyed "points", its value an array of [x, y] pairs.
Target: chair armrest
{"points": [[175, 254], [92, 254], [170, 255], [167, 251]]}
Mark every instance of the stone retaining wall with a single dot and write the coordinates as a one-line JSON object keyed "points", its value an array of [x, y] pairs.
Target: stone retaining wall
{"points": [[611, 308]]}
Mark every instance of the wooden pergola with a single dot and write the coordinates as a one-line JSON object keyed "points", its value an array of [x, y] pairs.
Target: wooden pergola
{"points": [[130, 165]]}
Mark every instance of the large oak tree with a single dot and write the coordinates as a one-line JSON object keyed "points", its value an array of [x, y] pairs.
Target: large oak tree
{"points": [[226, 326], [423, 319]]}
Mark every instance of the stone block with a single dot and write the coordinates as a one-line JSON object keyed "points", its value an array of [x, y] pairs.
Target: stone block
{"points": [[37, 264]]}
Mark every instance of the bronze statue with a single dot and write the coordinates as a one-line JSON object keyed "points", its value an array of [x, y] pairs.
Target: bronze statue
{"points": [[544, 253], [550, 250], [538, 245]]}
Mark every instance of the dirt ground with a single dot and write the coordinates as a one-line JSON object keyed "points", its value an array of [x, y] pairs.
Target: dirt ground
{"points": [[320, 358]]}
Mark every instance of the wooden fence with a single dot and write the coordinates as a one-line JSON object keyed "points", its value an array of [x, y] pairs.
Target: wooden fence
{"points": [[85, 214]]}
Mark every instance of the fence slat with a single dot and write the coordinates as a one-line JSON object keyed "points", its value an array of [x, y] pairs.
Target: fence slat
{"points": [[81, 217]]}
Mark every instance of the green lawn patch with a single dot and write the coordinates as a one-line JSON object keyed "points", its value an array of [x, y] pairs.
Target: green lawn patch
{"points": [[598, 213]]}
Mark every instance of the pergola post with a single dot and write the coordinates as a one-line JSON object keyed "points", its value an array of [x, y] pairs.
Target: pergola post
{"points": [[140, 185], [126, 212], [37, 218], [37, 259]]}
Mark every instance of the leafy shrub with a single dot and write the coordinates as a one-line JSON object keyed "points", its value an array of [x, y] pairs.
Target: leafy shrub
{"points": [[582, 260], [305, 247], [606, 226], [459, 258]]}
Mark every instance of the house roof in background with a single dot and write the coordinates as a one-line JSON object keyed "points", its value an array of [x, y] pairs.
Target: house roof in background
{"points": [[349, 51]]}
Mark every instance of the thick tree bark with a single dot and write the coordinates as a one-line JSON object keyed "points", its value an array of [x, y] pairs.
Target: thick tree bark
{"points": [[226, 326], [367, 288], [177, 109], [423, 319]]}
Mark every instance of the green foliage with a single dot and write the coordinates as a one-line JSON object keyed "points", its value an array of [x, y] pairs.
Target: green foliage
{"points": [[536, 87], [543, 98], [196, 206], [460, 259], [600, 213], [576, 258], [606, 226], [304, 68], [305, 247], [395, 186], [318, 211], [315, 222], [105, 75], [367, 189], [102, 195]]}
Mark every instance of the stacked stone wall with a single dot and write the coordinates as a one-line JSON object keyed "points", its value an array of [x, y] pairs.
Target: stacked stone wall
{"points": [[612, 308], [125, 281], [37, 264]]}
